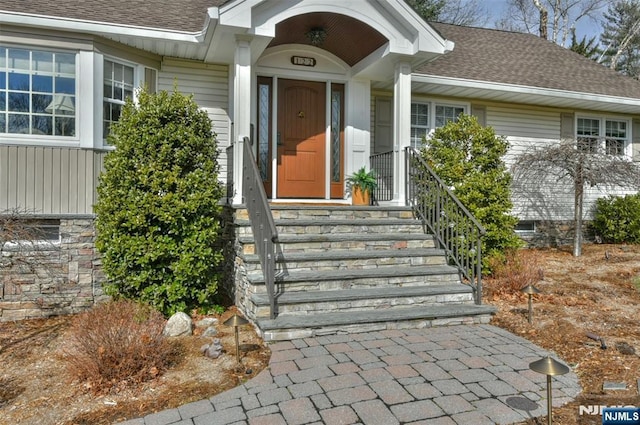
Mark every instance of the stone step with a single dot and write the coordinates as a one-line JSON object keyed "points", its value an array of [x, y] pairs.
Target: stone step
{"points": [[343, 241], [353, 259], [364, 225], [323, 212], [285, 327], [313, 280], [306, 302]]}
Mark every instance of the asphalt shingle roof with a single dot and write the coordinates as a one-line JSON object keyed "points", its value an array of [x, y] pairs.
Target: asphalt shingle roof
{"points": [[179, 15], [480, 54], [523, 59]]}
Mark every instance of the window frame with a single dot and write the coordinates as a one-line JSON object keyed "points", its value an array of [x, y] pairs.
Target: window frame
{"points": [[139, 73], [34, 138], [432, 106], [600, 143]]}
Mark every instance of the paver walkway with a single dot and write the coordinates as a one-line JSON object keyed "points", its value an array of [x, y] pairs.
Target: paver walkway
{"points": [[468, 374]]}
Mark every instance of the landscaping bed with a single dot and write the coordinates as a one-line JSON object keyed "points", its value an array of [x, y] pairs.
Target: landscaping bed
{"points": [[596, 295]]}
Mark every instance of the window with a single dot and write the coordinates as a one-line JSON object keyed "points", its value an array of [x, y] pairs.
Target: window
{"points": [[425, 113], [37, 92], [419, 123], [118, 86], [18, 231], [602, 135], [526, 226], [445, 114]]}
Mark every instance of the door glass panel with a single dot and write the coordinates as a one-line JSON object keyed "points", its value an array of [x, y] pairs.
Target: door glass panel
{"points": [[263, 130], [336, 126]]}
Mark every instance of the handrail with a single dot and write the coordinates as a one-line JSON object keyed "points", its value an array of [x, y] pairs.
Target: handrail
{"points": [[454, 227], [382, 166], [262, 224]]}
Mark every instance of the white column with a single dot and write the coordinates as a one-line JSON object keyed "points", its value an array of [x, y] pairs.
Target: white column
{"points": [[241, 109], [357, 125], [401, 127]]}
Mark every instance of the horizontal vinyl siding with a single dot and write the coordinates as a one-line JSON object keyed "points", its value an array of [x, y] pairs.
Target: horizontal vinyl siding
{"points": [[551, 199], [209, 85], [49, 180], [517, 121]]}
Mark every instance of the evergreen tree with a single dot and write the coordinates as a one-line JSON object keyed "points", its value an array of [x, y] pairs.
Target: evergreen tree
{"points": [[621, 37], [469, 158], [158, 216], [587, 48]]}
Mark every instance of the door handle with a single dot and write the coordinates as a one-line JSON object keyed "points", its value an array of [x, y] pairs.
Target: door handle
{"points": [[278, 139]]}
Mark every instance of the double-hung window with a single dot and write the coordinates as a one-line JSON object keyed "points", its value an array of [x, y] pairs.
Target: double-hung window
{"points": [[37, 92], [427, 116], [610, 136], [118, 87], [419, 123]]}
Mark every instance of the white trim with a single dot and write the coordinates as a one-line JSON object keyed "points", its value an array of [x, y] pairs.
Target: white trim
{"points": [[520, 89], [602, 119], [92, 27], [49, 140]]}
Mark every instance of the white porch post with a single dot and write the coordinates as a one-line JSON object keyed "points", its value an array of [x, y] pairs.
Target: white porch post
{"points": [[401, 127], [241, 109]]}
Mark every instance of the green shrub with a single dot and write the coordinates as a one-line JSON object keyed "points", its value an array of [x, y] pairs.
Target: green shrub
{"points": [[118, 344], [158, 213], [617, 219], [468, 158]]}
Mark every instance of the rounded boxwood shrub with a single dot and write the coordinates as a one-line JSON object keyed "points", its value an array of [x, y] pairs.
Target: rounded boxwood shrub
{"points": [[158, 213], [617, 219]]}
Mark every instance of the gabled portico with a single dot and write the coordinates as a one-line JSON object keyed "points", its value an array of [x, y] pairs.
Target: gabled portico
{"points": [[323, 55]]}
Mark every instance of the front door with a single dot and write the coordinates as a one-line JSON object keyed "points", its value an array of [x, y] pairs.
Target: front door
{"points": [[301, 139]]}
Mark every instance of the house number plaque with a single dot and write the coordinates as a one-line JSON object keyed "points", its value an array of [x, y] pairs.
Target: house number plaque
{"points": [[303, 61]]}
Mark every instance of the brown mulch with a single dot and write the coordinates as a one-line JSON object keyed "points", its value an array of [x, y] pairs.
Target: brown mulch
{"points": [[35, 387], [582, 298], [596, 294]]}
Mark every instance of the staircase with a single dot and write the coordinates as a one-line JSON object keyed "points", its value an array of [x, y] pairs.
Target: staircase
{"points": [[352, 269]]}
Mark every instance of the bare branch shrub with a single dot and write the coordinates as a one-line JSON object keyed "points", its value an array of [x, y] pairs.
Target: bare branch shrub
{"points": [[23, 243], [580, 164], [118, 344], [521, 267]]}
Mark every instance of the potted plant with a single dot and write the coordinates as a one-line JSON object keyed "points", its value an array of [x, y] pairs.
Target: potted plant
{"points": [[362, 183]]}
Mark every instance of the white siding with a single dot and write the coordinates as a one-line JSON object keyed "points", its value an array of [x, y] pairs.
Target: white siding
{"points": [[551, 199], [49, 180], [209, 85], [519, 121]]}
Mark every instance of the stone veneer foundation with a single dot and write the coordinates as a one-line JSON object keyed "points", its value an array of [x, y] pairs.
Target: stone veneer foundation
{"points": [[49, 278]]}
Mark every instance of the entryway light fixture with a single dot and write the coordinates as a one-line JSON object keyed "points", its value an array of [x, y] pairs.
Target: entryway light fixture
{"points": [[316, 36], [236, 321], [550, 367], [530, 290]]}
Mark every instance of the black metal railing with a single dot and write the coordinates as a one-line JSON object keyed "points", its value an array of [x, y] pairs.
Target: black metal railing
{"points": [[454, 227], [230, 193], [382, 166], [262, 224]]}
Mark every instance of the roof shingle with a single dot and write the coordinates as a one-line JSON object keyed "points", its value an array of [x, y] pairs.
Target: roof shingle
{"points": [[490, 55], [177, 15]]}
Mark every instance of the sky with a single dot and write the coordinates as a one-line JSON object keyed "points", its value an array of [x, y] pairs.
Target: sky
{"points": [[586, 26]]}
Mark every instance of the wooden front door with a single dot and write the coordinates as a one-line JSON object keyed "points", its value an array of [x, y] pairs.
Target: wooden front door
{"points": [[301, 139]]}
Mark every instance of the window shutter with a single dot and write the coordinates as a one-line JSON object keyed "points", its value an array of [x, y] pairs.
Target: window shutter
{"points": [[567, 130], [635, 141], [150, 79], [480, 112], [383, 132]]}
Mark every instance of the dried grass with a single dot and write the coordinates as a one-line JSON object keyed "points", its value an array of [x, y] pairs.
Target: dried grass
{"points": [[118, 344], [521, 267]]}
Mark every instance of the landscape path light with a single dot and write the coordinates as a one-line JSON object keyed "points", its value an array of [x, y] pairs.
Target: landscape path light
{"points": [[550, 367], [236, 321], [530, 290]]}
